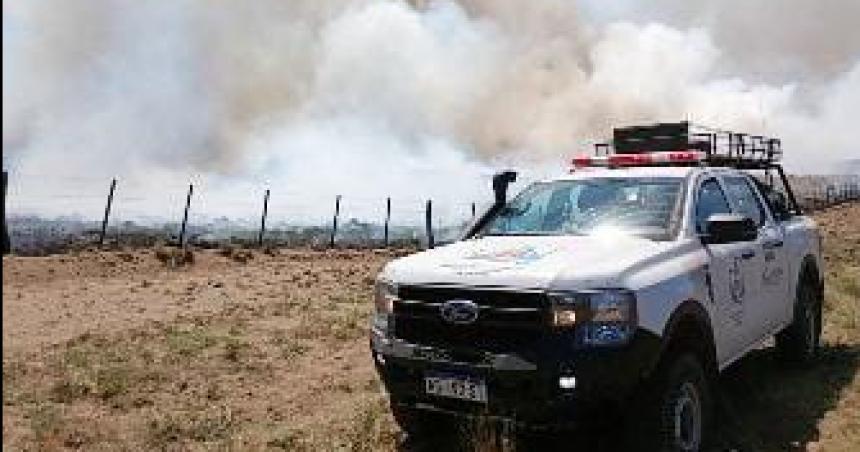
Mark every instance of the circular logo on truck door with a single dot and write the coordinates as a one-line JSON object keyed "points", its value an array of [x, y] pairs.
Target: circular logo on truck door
{"points": [[459, 312]]}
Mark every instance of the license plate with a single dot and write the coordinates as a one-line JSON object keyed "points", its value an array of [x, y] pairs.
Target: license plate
{"points": [[456, 387]]}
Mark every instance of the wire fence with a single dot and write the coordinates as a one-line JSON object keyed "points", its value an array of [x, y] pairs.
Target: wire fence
{"points": [[41, 219], [820, 192], [115, 213]]}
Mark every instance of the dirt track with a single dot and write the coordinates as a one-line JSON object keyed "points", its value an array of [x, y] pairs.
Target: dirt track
{"points": [[121, 350]]}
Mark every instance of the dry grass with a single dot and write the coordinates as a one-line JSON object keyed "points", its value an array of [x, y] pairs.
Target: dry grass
{"points": [[171, 257], [246, 350], [269, 354]]}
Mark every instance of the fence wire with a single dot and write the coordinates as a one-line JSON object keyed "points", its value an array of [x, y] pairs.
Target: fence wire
{"points": [[39, 217]]}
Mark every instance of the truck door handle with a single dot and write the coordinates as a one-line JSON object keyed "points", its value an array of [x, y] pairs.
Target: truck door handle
{"points": [[773, 244], [748, 254]]}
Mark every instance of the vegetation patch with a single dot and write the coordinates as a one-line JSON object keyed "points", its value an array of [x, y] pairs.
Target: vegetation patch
{"points": [[370, 429], [212, 425], [288, 440], [191, 341]]}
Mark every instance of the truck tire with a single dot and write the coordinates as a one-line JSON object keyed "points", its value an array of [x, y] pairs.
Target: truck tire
{"points": [[679, 409], [426, 428], [798, 343]]}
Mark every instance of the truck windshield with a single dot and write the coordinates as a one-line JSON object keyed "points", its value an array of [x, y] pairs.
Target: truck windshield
{"points": [[639, 206]]}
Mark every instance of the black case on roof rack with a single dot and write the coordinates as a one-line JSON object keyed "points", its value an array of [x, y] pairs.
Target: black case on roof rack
{"points": [[722, 147]]}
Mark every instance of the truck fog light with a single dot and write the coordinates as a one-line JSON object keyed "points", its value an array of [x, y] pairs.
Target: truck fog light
{"points": [[564, 317], [568, 382], [379, 358]]}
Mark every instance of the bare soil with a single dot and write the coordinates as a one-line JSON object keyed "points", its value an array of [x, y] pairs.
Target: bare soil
{"points": [[267, 350]]}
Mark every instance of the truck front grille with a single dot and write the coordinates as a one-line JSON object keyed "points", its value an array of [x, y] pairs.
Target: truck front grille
{"points": [[509, 321]]}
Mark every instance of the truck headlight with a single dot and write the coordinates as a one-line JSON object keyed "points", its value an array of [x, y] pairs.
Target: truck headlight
{"points": [[385, 294], [607, 317]]}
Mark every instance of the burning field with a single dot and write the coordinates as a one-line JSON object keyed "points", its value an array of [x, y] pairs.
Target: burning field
{"points": [[234, 349]]}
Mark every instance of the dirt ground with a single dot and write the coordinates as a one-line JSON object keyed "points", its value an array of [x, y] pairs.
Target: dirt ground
{"points": [[241, 350]]}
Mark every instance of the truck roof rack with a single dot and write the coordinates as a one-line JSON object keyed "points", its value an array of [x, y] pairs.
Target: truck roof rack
{"points": [[684, 144]]}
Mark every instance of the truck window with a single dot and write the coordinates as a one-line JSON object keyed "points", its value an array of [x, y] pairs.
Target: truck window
{"points": [[741, 192], [711, 200], [640, 206]]}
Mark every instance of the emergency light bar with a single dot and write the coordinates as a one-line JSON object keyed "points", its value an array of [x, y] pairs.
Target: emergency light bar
{"points": [[643, 159], [683, 144]]}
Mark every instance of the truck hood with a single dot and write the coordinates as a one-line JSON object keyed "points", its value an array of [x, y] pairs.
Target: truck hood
{"points": [[533, 262]]}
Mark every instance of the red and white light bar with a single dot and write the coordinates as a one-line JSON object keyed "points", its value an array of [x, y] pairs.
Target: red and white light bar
{"points": [[644, 159]]}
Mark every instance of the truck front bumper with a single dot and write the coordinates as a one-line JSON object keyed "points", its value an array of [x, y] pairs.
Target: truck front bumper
{"points": [[556, 389]]}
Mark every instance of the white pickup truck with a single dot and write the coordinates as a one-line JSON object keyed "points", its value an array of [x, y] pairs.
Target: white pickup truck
{"points": [[630, 282]]}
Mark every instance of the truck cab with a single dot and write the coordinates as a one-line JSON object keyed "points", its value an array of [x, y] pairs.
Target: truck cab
{"points": [[628, 283]]}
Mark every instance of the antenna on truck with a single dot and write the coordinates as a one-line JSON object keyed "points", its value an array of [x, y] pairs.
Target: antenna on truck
{"points": [[501, 181]]}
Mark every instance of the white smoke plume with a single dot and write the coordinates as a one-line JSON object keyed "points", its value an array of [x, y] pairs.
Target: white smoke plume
{"points": [[415, 100], [775, 40]]}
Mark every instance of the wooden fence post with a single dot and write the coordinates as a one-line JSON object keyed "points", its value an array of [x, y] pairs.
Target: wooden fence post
{"points": [[819, 199], [263, 219], [387, 219], [428, 217], [107, 212], [185, 215], [7, 242], [334, 220]]}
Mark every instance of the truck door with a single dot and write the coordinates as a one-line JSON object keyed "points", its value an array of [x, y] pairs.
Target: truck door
{"points": [[765, 306], [728, 273]]}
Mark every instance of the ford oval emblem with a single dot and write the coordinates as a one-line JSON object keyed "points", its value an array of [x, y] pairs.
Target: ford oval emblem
{"points": [[459, 312]]}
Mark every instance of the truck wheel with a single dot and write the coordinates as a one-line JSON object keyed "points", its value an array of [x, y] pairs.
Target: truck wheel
{"points": [[681, 407], [424, 428], [798, 343]]}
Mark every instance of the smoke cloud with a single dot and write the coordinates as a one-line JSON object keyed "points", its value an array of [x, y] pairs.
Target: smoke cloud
{"points": [[776, 40], [418, 99]]}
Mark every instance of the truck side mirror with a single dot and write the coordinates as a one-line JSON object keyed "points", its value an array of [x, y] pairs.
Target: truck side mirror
{"points": [[729, 228]]}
